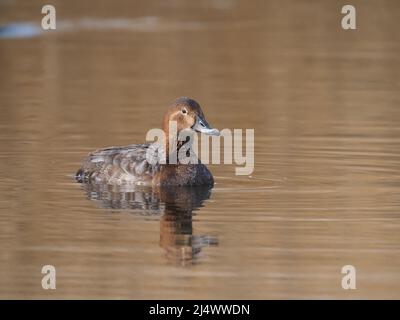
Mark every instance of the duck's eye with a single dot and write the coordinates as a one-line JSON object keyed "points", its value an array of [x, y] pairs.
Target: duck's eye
{"points": [[184, 111]]}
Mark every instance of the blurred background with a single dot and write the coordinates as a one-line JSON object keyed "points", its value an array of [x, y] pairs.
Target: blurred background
{"points": [[324, 103]]}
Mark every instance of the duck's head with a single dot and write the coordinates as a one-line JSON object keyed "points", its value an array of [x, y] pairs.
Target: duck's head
{"points": [[187, 114]]}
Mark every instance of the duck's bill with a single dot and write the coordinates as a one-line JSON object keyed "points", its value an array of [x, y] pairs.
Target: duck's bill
{"points": [[202, 126]]}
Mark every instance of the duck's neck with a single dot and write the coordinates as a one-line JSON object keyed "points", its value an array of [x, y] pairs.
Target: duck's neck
{"points": [[172, 153]]}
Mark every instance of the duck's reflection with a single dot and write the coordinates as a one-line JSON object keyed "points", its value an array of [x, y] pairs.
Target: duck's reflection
{"points": [[174, 205]]}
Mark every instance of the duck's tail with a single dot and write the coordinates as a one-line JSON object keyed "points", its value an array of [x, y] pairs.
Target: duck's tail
{"points": [[81, 176]]}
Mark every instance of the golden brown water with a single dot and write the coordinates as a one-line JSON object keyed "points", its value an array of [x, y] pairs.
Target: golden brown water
{"points": [[324, 104]]}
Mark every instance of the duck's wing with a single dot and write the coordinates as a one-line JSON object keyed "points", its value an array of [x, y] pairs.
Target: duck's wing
{"points": [[118, 165]]}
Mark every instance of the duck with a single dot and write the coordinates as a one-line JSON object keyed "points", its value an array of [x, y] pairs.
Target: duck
{"points": [[132, 165]]}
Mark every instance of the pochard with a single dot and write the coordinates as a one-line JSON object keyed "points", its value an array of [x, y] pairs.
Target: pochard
{"points": [[131, 165]]}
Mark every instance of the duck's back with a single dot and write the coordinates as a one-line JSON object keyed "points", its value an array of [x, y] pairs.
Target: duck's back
{"points": [[118, 165]]}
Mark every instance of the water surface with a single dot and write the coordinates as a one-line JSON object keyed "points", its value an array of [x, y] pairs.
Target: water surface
{"points": [[324, 104]]}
